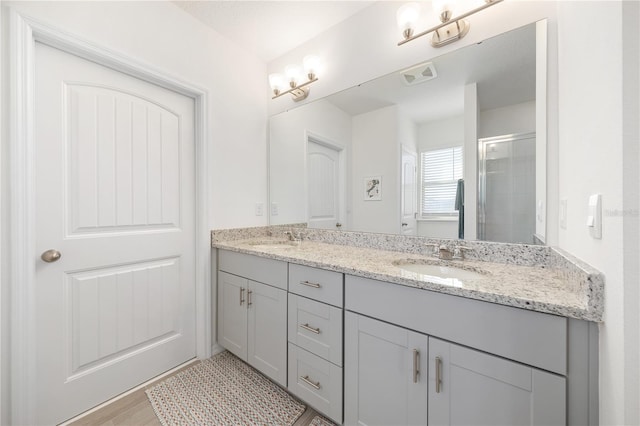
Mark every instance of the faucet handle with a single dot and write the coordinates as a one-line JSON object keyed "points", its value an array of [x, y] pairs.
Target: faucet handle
{"points": [[436, 248], [459, 251]]}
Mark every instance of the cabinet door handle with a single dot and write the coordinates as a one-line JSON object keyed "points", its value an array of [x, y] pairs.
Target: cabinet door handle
{"points": [[241, 296], [249, 293], [309, 328], [307, 380], [416, 365], [438, 374], [310, 284]]}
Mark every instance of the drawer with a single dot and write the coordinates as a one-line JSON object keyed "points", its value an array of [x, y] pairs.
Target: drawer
{"points": [[532, 338], [260, 269], [316, 381], [316, 327], [317, 284]]}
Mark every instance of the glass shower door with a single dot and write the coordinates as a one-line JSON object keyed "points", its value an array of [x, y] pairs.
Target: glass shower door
{"points": [[507, 188]]}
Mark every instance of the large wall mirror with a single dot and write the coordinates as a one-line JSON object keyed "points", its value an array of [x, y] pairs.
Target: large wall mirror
{"points": [[453, 147]]}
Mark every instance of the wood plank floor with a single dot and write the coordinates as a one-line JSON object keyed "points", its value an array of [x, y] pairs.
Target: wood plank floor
{"points": [[135, 409]]}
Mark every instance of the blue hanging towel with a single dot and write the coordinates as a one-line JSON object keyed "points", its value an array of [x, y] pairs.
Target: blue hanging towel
{"points": [[459, 205]]}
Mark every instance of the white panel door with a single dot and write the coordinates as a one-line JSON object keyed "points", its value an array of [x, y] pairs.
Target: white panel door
{"points": [[324, 180], [481, 389], [409, 193], [115, 196]]}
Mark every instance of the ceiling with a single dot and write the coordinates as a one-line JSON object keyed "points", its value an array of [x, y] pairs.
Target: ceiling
{"points": [[271, 28]]}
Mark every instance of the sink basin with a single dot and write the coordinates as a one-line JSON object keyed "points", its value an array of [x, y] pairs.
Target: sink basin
{"points": [[435, 269], [273, 245]]}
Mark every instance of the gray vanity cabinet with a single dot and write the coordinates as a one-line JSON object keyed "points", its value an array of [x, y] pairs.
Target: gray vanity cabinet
{"points": [[399, 369], [470, 387], [252, 316], [397, 376], [385, 373]]}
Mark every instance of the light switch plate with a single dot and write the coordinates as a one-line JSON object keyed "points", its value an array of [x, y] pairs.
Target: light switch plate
{"points": [[594, 216], [563, 213], [259, 209], [274, 209]]}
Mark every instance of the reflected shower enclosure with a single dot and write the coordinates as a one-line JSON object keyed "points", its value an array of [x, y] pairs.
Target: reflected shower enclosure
{"points": [[507, 188]]}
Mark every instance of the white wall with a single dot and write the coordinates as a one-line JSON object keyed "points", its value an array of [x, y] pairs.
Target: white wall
{"points": [[162, 35], [591, 158], [511, 119], [288, 150], [374, 142]]}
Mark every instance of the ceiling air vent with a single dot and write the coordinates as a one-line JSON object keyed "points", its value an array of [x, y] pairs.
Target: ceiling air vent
{"points": [[419, 74]]}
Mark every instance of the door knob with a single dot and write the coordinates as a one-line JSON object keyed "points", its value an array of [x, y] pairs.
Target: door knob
{"points": [[50, 256]]}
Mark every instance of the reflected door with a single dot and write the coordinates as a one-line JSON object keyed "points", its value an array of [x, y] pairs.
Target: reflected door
{"points": [[114, 186], [507, 188], [324, 185], [409, 192]]}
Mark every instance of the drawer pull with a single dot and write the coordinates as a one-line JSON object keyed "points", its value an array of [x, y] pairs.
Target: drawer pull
{"points": [[308, 381], [438, 374], [416, 365], [309, 328], [249, 303], [310, 284], [241, 296]]}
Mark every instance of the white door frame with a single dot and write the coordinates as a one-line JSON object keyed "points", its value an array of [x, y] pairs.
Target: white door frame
{"points": [[24, 32]]}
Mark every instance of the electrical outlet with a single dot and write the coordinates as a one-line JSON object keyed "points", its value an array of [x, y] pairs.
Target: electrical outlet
{"points": [[259, 209], [274, 209]]}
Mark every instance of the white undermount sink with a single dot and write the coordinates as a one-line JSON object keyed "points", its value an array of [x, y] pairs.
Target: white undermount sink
{"points": [[436, 269]]}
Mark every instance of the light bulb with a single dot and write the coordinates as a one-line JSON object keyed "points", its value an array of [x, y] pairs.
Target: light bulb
{"points": [[407, 16], [276, 81], [444, 8], [311, 65], [294, 74]]}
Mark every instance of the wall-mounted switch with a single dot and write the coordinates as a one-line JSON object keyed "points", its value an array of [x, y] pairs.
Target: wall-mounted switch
{"points": [[594, 216], [259, 209], [274, 209], [563, 213]]}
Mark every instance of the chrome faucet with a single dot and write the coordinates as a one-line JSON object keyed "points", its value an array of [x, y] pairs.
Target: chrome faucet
{"points": [[445, 253], [297, 236]]}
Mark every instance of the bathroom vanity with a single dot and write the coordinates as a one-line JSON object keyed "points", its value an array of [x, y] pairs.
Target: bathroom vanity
{"points": [[366, 335]]}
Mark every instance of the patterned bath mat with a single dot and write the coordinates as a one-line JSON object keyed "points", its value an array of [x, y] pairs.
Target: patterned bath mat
{"points": [[222, 390]]}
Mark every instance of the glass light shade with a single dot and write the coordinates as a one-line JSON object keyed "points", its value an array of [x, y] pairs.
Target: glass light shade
{"points": [[294, 74], [408, 15], [440, 6], [311, 64], [277, 82]]}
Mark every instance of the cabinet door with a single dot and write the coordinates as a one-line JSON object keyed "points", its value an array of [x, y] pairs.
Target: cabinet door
{"points": [[267, 339], [232, 314], [481, 389], [380, 385]]}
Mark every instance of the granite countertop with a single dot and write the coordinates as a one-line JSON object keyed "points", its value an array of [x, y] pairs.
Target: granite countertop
{"points": [[566, 288]]}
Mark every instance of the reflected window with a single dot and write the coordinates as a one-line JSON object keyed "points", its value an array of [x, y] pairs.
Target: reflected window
{"points": [[441, 169]]}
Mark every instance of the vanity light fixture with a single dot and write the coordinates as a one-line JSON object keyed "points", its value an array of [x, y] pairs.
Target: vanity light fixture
{"points": [[294, 78], [451, 28]]}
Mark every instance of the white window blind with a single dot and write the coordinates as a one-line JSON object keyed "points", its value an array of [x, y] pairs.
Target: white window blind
{"points": [[441, 170]]}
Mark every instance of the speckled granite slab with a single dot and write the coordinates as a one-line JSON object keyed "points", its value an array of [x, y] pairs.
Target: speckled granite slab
{"points": [[530, 277]]}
